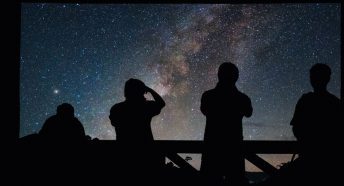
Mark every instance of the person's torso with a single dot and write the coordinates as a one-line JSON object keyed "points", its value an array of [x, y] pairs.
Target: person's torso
{"points": [[320, 115], [224, 120], [65, 129], [133, 121]]}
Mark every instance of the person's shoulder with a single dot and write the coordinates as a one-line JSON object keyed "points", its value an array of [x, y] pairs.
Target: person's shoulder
{"points": [[76, 120], [243, 95], [209, 92], [117, 105], [307, 98], [51, 118], [333, 97], [308, 95]]}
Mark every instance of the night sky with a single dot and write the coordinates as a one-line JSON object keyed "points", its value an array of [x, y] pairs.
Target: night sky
{"points": [[84, 53]]}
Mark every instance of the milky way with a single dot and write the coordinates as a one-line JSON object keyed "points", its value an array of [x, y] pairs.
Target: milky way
{"points": [[84, 53]]}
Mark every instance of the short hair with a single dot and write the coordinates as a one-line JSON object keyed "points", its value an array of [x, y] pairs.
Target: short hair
{"points": [[134, 88], [228, 72], [320, 73], [65, 109]]}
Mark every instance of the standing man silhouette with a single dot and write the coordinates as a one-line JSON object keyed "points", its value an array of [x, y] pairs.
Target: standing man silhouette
{"points": [[132, 119], [224, 107], [315, 123], [317, 114]]}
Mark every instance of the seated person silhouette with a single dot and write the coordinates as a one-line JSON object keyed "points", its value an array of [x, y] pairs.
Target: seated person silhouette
{"points": [[63, 127], [224, 107], [132, 118]]}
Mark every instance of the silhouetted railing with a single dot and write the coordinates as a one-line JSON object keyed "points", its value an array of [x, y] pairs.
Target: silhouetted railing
{"points": [[171, 147]]}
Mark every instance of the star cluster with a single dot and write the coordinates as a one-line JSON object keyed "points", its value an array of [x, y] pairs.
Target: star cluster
{"points": [[84, 53]]}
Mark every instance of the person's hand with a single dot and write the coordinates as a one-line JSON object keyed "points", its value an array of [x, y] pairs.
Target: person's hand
{"points": [[148, 89]]}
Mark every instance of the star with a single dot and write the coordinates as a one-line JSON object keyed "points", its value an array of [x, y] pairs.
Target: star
{"points": [[56, 91]]}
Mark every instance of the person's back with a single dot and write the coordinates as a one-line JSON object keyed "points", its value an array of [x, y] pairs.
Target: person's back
{"points": [[59, 128], [131, 119], [316, 117], [224, 107], [63, 126], [315, 124], [317, 114]]}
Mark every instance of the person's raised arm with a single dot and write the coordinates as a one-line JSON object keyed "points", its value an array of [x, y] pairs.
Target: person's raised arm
{"points": [[157, 98]]}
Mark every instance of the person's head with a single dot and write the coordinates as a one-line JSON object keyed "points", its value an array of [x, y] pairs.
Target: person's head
{"points": [[134, 89], [228, 73], [320, 75], [65, 110]]}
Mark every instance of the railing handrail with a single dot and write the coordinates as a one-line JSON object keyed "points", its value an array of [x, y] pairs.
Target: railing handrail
{"points": [[171, 148], [197, 146]]}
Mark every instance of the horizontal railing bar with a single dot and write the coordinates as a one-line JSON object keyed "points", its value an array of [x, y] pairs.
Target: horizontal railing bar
{"points": [[186, 146]]}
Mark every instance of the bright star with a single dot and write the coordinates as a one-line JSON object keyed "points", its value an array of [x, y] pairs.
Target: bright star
{"points": [[56, 91]]}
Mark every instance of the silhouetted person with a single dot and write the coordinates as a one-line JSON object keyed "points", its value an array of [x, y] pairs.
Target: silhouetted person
{"points": [[224, 107], [317, 113], [316, 123], [63, 126], [132, 119]]}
